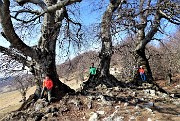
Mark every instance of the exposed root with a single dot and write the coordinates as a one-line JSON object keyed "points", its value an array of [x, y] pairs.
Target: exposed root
{"points": [[156, 87], [57, 94], [109, 81], [32, 98]]}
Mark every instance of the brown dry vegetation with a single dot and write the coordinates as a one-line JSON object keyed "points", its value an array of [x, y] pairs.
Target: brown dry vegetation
{"points": [[10, 101]]}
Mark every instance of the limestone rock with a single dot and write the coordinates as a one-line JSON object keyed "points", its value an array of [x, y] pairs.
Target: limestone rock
{"points": [[149, 119], [100, 112], [113, 117], [93, 116], [41, 103], [89, 104], [132, 118]]}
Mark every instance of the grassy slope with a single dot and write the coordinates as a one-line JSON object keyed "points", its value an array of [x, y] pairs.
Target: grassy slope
{"points": [[9, 101]]}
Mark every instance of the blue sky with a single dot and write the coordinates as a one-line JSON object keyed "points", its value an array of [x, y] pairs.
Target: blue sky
{"points": [[91, 11]]}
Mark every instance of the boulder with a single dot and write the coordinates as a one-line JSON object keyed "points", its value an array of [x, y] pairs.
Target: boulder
{"points": [[113, 117], [39, 104], [101, 112], [93, 116]]}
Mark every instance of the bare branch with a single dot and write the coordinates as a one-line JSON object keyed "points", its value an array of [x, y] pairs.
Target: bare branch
{"points": [[38, 2], [26, 11], [10, 33], [169, 18], [61, 4], [52, 8], [76, 23], [29, 20], [15, 56]]}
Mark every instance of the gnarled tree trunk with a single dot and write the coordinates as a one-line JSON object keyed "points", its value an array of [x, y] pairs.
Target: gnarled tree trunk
{"points": [[45, 63], [103, 76], [40, 58], [143, 61], [140, 55], [143, 39]]}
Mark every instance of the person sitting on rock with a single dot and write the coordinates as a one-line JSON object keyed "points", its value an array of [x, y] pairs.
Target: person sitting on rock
{"points": [[92, 71], [142, 73], [47, 86]]}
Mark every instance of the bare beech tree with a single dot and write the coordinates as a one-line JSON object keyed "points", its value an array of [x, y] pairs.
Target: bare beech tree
{"points": [[145, 18], [103, 75], [22, 82], [41, 57]]}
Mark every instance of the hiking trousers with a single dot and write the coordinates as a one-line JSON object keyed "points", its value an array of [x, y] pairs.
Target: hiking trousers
{"points": [[48, 93], [143, 76]]}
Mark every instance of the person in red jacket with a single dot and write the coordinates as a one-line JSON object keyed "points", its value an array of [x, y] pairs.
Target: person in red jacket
{"points": [[142, 73], [47, 86]]}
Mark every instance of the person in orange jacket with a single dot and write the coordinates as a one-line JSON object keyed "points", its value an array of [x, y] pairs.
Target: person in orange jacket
{"points": [[142, 73], [47, 86]]}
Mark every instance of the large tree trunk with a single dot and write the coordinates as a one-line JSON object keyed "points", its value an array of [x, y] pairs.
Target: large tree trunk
{"points": [[143, 39], [106, 50], [143, 61], [103, 76], [140, 55], [43, 66], [45, 63], [41, 69]]}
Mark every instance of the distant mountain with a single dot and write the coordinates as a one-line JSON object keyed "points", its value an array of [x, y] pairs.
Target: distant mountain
{"points": [[6, 83]]}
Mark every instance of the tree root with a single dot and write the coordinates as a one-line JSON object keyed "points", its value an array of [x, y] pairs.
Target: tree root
{"points": [[57, 94], [109, 81], [32, 98], [156, 87]]}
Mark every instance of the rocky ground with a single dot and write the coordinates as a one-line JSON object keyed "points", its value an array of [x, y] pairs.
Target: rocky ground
{"points": [[108, 104]]}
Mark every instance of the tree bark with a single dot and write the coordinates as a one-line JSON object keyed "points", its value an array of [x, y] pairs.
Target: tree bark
{"points": [[45, 63], [143, 61], [103, 76], [41, 58], [143, 39], [106, 38]]}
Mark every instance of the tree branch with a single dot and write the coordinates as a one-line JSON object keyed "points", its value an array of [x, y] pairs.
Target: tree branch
{"points": [[52, 8], [15, 56], [46, 9], [61, 4], [38, 2], [1, 11], [169, 18], [26, 11], [76, 23], [148, 37], [30, 19], [10, 33]]}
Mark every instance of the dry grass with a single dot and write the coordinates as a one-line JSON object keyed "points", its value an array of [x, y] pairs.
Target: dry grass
{"points": [[10, 101], [73, 83]]}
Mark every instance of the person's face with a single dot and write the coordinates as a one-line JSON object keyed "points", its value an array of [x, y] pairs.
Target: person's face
{"points": [[92, 64], [46, 77]]}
